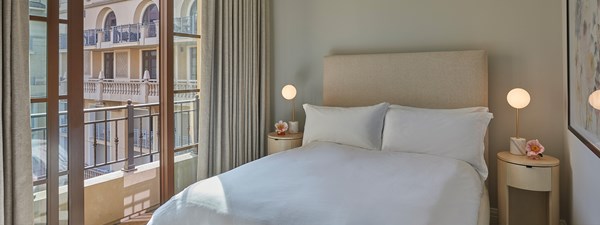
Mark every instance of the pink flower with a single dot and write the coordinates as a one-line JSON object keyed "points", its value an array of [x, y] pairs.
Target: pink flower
{"points": [[281, 127], [534, 148]]}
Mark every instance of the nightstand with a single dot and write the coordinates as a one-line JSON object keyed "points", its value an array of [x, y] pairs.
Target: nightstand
{"points": [[278, 143], [527, 190]]}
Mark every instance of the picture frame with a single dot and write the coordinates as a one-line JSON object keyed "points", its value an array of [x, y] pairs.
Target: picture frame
{"points": [[583, 70]]}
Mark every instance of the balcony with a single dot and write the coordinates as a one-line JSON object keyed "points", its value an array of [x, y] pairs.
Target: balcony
{"points": [[128, 35], [121, 169], [186, 25], [139, 91]]}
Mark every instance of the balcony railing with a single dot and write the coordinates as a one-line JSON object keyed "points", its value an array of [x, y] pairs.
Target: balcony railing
{"points": [[186, 25], [90, 37], [127, 34], [112, 140], [141, 91], [118, 156], [136, 33]]}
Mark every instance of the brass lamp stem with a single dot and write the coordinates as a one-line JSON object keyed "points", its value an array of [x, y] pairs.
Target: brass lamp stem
{"points": [[517, 124], [293, 110]]}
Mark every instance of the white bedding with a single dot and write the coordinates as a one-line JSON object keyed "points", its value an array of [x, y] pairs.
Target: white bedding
{"points": [[325, 183]]}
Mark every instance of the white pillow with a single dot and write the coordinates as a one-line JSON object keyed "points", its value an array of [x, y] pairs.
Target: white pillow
{"points": [[453, 134], [355, 126], [459, 110]]}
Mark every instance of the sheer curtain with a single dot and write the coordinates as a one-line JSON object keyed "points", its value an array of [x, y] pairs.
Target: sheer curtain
{"points": [[234, 89], [15, 145]]}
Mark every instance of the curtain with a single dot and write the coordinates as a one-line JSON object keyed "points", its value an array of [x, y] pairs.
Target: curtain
{"points": [[234, 84], [15, 146]]}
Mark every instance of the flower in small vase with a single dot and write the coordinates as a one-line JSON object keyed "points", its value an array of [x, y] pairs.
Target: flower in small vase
{"points": [[281, 127], [534, 149]]}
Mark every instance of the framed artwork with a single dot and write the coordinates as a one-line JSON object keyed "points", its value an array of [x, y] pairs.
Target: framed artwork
{"points": [[583, 55]]}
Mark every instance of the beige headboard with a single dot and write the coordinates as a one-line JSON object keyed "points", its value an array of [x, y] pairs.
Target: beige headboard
{"points": [[428, 79]]}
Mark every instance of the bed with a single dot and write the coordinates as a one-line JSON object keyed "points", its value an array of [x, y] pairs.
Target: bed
{"points": [[331, 183]]}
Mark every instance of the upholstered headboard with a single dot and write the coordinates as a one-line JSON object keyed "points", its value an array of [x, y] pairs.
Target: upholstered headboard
{"points": [[429, 79]]}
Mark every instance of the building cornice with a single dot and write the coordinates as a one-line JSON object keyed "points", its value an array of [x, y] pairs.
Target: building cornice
{"points": [[102, 2]]}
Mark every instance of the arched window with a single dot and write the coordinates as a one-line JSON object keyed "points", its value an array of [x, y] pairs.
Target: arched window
{"points": [[109, 22], [149, 18], [193, 18], [194, 9]]}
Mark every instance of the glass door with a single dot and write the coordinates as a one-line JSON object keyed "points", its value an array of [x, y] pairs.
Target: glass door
{"points": [[55, 124], [109, 60], [122, 133], [186, 45], [180, 105]]}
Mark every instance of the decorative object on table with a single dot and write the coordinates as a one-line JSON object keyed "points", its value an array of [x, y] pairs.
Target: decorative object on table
{"points": [[281, 127], [583, 58], [289, 92], [534, 149], [518, 98]]}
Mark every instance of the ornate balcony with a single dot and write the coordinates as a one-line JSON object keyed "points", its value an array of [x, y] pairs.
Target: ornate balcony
{"points": [[122, 36], [139, 91]]}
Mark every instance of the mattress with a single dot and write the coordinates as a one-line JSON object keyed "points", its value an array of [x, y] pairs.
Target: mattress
{"points": [[326, 183]]}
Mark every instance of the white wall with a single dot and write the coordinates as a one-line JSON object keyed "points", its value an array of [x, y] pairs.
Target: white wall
{"points": [[581, 166], [585, 189], [523, 39]]}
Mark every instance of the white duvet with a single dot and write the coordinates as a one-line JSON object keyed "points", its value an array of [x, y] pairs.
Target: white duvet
{"points": [[325, 183]]}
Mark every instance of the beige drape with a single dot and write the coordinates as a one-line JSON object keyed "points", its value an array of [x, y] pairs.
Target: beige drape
{"points": [[15, 146], [234, 88]]}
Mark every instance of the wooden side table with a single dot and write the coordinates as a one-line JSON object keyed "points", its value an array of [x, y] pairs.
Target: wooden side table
{"points": [[520, 172], [278, 143]]}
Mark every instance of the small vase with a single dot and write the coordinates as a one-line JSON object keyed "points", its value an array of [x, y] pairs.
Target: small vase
{"points": [[293, 127], [517, 146]]}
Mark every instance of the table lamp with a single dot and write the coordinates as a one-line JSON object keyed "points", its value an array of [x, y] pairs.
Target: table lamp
{"points": [[518, 98], [289, 92], [594, 99]]}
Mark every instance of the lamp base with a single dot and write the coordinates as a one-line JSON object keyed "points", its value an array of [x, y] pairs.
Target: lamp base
{"points": [[293, 127], [517, 146]]}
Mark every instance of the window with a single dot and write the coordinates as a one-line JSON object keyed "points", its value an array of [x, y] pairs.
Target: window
{"points": [[109, 23], [193, 17], [109, 66], [193, 63], [149, 63], [150, 20], [194, 9]]}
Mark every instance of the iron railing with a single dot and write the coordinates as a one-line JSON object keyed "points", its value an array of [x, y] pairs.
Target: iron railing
{"points": [[121, 34], [135, 32], [126, 33], [106, 151], [90, 37], [186, 24]]}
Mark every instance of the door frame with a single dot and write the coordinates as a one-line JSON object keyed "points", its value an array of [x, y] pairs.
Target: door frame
{"points": [[167, 137], [142, 59], [112, 72]]}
